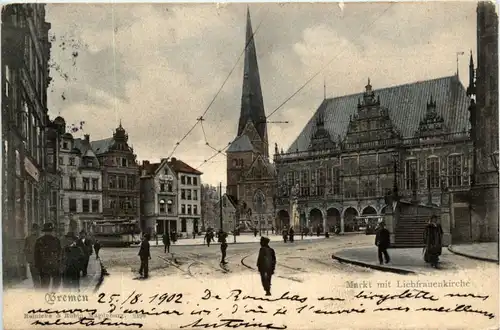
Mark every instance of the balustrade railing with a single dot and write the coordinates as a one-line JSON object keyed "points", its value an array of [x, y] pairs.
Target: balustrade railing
{"points": [[395, 142]]}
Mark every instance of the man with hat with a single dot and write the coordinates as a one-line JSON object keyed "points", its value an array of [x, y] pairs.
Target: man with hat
{"points": [[48, 257], [29, 252], [382, 241], [73, 258], [86, 245], [266, 263], [145, 255]]}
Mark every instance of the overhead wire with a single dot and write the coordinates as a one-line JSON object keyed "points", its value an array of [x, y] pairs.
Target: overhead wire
{"points": [[201, 118], [311, 78]]}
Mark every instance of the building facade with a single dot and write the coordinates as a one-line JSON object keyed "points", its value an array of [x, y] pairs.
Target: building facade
{"points": [[188, 197], [158, 202], [120, 176], [209, 199], [357, 150], [479, 213], [25, 78], [81, 185], [230, 215], [250, 174]]}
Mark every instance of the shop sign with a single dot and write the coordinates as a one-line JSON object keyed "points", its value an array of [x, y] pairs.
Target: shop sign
{"points": [[31, 169]]}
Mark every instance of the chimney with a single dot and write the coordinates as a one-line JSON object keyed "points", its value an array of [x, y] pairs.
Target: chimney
{"points": [[87, 137], [173, 159], [145, 162]]}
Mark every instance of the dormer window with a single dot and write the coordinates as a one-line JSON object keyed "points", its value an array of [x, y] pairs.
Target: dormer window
{"points": [[65, 145], [166, 172], [124, 162]]}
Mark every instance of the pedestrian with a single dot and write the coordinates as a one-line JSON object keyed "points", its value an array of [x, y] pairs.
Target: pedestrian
{"points": [[433, 240], [29, 253], [272, 229], [97, 247], [255, 232], [291, 234], [194, 235], [266, 264], [382, 241], [223, 246], [86, 245], [285, 234], [208, 238], [73, 257], [318, 231], [166, 242], [145, 256], [48, 258], [173, 237]]}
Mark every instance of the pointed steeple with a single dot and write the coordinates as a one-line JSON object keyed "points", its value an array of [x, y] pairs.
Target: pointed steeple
{"points": [[471, 89], [252, 103]]}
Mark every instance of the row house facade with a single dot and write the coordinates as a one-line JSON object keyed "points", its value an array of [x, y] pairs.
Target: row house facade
{"points": [[81, 185], [359, 149], [158, 191], [25, 78], [120, 176], [170, 197], [189, 196], [209, 198]]}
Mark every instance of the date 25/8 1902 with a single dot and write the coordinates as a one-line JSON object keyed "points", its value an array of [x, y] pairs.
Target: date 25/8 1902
{"points": [[135, 298]]}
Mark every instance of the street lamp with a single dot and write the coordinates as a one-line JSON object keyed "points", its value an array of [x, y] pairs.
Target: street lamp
{"points": [[494, 159]]}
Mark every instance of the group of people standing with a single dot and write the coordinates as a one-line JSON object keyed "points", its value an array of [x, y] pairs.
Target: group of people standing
{"points": [[51, 259], [432, 239]]}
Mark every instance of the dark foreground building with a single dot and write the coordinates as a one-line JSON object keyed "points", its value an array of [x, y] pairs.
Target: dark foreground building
{"points": [[25, 78]]}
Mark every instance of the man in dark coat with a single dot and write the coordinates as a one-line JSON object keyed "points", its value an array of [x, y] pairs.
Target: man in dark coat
{"points": [[266, 264], [223, 246], [29, 253], [86, 245], [144, 255], [73, 257], [285, 234], [291, 234], [433, 240], [48, 258], [97, 248], [382, 241], [166, 242]]}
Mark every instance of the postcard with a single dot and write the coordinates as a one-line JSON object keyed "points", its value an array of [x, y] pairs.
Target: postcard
{"points": [[250, 166]]}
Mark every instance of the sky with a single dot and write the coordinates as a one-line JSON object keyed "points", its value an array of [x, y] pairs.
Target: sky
{"points": [[157, 67]]}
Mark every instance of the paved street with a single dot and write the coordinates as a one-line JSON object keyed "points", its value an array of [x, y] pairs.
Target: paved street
{"points": [[196, 261], [294, 260]]}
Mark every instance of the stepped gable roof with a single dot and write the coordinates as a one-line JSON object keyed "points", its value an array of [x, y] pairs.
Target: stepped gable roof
{"points": [[407, 106], [180, 167], [241, 144], [102, 146]]}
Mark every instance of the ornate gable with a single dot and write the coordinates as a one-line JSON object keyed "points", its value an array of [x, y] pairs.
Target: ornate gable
{"points": [[432, 124], [371, 121], [321, 138], [260, 169], [251, 132]]}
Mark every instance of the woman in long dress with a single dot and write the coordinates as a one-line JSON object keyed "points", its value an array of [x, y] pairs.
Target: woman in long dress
{"points": [[433, 238]]}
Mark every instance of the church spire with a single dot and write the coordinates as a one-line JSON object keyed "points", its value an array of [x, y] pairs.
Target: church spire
{"points": [[252, 104], [471, 89]]}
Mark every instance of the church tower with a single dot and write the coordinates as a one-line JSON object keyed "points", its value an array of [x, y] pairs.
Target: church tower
{"points": [[251, 140]]}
